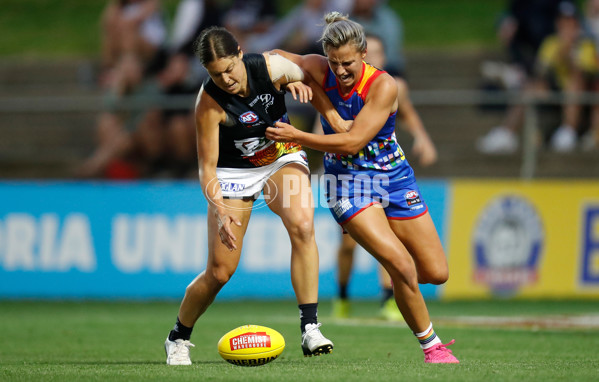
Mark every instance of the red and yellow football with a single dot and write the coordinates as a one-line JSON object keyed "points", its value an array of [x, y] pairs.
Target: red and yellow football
{"points": [[251, 345]]}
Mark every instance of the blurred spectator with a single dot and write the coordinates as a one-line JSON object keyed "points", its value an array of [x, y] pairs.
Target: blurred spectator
{"points": [[299, 31], [591, 19], [110, 158], [567, 62], [409, 120], [246, 18], [166, 138], [133, 32], [591, 140], [182, 76], [154, 142], [380, 20], [524, 27], [521, 30]]}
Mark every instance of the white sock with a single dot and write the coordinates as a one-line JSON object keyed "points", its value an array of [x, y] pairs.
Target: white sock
{"points": [[428, 338]]}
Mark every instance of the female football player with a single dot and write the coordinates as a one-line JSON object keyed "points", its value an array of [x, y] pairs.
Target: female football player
{"points": [[373, 195], [243, 96]]}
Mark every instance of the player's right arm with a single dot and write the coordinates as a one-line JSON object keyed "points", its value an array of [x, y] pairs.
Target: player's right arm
{"points": [[208, 115], [380, 102]]}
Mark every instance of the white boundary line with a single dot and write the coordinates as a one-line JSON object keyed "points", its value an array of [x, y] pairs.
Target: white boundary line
{"points": [[586, 321]]}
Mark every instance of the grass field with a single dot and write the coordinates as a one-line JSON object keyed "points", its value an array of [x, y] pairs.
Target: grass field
{"points": [[123, 341]]}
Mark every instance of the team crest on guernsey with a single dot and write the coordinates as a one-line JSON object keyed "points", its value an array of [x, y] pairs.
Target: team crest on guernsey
{"points": [[507, 245], [248, 117]]}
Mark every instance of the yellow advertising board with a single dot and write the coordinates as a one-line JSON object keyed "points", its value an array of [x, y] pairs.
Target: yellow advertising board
{"points": [[537, 239]]}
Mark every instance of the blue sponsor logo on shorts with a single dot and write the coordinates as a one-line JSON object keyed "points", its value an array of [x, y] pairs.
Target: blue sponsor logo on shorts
{"points": [[232, 187]]}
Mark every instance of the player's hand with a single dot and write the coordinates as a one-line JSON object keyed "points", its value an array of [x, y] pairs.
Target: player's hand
{"points": [[227, 237], [425, 150], [300, 90], [347, 124], [282, 132]]}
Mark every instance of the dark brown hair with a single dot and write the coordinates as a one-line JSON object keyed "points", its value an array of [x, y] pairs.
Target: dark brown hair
{"points": [[214, 43]]}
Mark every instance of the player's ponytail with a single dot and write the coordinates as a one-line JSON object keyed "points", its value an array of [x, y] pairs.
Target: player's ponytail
{"points": [[331, 17], [340, 30]]}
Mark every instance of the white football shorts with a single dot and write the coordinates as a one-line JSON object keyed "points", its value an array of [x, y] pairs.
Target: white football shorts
{"points": [[238, 183]]}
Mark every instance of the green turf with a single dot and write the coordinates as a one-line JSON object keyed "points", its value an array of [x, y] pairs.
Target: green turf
{"points": [[450, 25], [108, 341], [70, 28]]}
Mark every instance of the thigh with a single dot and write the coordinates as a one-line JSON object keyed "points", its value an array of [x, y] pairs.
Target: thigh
{"points": [[370, 228], [289, 194], [420, 237], [218, 254]]}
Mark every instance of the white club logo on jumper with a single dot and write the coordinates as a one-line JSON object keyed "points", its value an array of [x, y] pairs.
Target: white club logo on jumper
{"points": [[267, 100]]}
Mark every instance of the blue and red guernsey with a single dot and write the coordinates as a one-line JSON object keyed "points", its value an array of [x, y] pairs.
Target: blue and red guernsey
{"points": [[382, 154]]}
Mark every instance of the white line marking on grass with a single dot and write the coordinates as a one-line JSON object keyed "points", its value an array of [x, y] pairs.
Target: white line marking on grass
{"points": [[588, 321]]}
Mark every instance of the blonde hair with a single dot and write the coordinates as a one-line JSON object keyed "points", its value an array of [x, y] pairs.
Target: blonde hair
{"points": [[340, 30]]}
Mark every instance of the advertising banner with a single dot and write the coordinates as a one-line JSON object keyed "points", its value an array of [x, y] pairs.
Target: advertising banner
{"points": [[517, 239], [148, 240]]}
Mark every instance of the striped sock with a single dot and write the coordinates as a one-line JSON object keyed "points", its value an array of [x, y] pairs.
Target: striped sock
{"points": [[428, 338]]}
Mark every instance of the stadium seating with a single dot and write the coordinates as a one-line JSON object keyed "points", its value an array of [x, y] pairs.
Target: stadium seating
{"points": [[48, 144]]}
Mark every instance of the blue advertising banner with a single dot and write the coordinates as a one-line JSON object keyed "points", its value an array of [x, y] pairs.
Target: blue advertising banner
{"points": [[148, 240]]}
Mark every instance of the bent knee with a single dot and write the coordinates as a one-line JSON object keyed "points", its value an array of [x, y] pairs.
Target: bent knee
{"points": [[209, 282], [435, 277], [406, 272], [219, 276], [301, 230]]}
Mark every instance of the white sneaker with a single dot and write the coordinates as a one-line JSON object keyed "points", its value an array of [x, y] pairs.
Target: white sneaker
{"points": [[509, 76], [314, 343], [564, 139], [177, 352], [500, 140]]}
